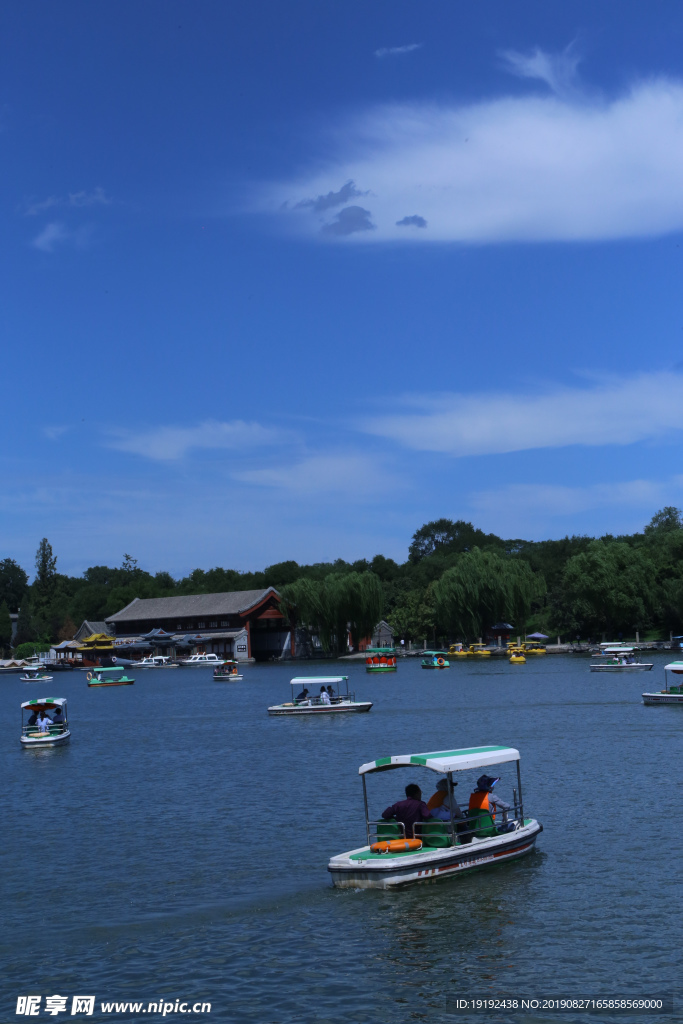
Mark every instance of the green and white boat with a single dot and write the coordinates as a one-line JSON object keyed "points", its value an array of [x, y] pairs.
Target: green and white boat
{"points": [[55, 734], [380, 659], [438, 849], [672, 692], [318, 700], [435, 659], [109, 677]]}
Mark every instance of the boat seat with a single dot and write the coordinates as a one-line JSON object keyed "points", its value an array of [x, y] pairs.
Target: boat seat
{"points": [[434, 834], [389, 830], [482, 824]]}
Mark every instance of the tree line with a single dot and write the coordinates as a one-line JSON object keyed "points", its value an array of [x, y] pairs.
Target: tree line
{"points": [[455, 584]]}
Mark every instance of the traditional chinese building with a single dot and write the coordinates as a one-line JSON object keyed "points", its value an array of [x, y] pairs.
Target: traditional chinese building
{"points": [[241, 623]]}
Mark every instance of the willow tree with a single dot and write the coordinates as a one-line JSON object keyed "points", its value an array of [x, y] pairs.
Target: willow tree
{"points": [[481, 589], [334, 605]]}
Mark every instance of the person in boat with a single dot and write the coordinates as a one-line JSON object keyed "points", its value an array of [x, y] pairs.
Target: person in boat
{"points": [[58, 718], [410, 810], [303, 695], [483, 799], [33, 718], [440, 803], [44, 722], [324, 697], [331, 693]]}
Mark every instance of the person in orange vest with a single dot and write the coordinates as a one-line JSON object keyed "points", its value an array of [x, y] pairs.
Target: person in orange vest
{"points": [[483, 800]]}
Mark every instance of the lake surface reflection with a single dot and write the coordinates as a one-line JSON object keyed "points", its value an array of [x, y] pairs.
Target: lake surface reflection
{"points": [[177, 848]]}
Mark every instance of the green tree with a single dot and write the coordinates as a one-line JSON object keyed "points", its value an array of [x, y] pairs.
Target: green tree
{"points": [[482, 588], [332, 606], [13, 583], [611, 587], [46, 573], [664, 521], [25, 630], [5, 627], [412, 617]]}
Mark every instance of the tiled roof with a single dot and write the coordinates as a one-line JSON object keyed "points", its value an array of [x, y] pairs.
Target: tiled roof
{"points": [[203, 606]]}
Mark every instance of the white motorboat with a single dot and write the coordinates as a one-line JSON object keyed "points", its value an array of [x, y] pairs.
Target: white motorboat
{"points": [[36, 675], [437, 849], [322, 702], [201, 659], [622, 661], [48, 733], [672, 692], [156, 661]]}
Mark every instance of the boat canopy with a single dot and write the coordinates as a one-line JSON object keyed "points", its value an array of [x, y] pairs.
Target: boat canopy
{"points": [[444, 760], [435, 654], [303, 680], [674, 666], [379, 650], [45, 702], [114, 668]]}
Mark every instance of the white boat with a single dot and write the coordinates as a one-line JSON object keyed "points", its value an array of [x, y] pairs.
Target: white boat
{"points": [[313, 703], [438, 849], [227, 672], [672, 693], [201, 659], [55, 734], [621, 661], [36, 675], [156, 661]]}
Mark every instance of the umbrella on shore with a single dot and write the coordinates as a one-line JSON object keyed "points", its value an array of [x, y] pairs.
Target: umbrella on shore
{"points": [[537, 636]]}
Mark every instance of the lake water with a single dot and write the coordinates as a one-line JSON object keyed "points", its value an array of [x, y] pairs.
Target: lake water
{"points": [[177, 847]]}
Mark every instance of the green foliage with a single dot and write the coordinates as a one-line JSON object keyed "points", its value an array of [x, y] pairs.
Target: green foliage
{"points": [[329, 606], [25, 622], [13, 583], [447, 537], [27, 650], [413, 616], [482, 588], [5, 626], [611, 587]]}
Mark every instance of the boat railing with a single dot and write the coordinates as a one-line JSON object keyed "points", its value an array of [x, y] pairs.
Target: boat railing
{"points": [[338, 698], [54, 730], [380, 831]]}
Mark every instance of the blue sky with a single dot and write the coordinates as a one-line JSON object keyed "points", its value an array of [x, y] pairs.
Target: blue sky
{"points": [[287, 281]]}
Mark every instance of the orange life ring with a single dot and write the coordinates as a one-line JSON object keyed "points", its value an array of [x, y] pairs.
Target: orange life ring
{"points": [[396, 845], [440, 661]]}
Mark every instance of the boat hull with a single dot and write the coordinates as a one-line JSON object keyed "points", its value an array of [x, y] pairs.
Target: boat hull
{"points": [[128, 682], [227, 678], [638, 667], [428, 865], [320, 709], [46, 740], [381, 668], [663, 698]]}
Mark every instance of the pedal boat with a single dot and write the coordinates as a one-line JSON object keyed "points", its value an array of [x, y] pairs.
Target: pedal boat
{"points": [[436, 659], [672, 693], [36, 675], [57, 734], [620, 662], [443, 848], [517, 656], [380, 659], [228, 672], [109, 677], [341, 703], [457, 651], [479, 651]]}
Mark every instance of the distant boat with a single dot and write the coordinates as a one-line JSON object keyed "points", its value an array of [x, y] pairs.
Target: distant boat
{"points": [[317, 703], [55, 734], [201, 659], [109, 677], [672, 693]]}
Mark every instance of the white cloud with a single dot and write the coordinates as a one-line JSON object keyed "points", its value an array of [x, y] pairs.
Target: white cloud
{"points": [[549, 499], [557, 70], [613, 412], [94, 197], [523, 168], [394, 51], [170, 443], [51, 235], [355, 475], [54, 433]]}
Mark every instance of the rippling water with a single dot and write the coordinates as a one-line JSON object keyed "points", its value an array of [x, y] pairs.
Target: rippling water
{"points": [[177, 848]]}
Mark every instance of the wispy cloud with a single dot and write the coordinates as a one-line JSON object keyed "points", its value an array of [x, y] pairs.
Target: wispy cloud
{"points": [[557, 70], [54, 433], [519, 168], [51, 235], [348, 221], [332, 199], [556, 500], [395, 51], [358, 475], [612, 412], [170, 443], [95, 197], [57, 233]]}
